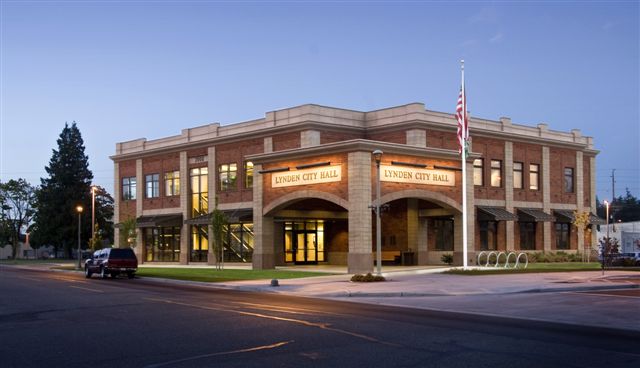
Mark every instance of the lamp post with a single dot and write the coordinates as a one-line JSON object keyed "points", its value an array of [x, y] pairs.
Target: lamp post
{"points": [[79, 210], [93, 215], [377, 155], [606, 242]]}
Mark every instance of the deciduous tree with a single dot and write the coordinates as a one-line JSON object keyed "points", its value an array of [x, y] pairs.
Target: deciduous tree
{"points": [[18, 200]]}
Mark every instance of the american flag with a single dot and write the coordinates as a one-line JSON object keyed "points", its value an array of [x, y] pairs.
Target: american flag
{"points": [[463, 121]]}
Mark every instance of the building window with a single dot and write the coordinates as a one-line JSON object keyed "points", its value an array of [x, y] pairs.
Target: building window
{"points": [[153, 185], [527, 235], [238, 242], [534, 176], [443, 231], [517, 175], [563, 231], [568, 180], [488, 235], [248, 174], [496, 173], [228, 174], [199, 191], [478, 177], [199, 243], [162, 244], [129, 188], [172, 183]]}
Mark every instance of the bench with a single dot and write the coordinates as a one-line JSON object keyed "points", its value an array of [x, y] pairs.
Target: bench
{"points": [[390, 257]]}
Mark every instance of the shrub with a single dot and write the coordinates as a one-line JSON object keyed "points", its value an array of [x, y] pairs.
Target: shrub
{"points": [[367, 278], [447, 258]]}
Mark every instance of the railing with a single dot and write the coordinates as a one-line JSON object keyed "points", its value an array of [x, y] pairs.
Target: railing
{"points": [[497, 256]]}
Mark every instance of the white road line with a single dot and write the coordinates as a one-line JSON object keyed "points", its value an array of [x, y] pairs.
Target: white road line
{"points": [[82, 288], [240, 351]]}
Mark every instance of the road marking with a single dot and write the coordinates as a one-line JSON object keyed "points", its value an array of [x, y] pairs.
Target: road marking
{"points": [[83, 288], [28, 278], [322, 326], [283, 309], [240, 351], [605, 294]]}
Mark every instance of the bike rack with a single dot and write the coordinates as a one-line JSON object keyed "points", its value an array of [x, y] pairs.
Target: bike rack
{"points": [[506, 256]]}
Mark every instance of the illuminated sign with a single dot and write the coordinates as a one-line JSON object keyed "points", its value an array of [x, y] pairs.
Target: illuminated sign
{"points": [[398, 174], [316, 175]]}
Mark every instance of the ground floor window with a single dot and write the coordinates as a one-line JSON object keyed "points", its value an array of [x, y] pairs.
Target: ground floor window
{"points": [[563, 232], [488, 235], [304, 241], [527, 235], [238, 243], [199, 243], [443, 232], [162, 244]]}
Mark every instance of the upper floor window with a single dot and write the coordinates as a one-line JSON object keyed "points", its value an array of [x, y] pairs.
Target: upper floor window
{"points": [[478, 177], [129, 188], [199, 191], [496, 173], [534, 176], [172, 183], [248, 174], [228, 175], [153, 185], [517, 175], [568, 180]]}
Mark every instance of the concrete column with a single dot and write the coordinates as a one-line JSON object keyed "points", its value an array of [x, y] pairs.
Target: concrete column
{"points": [[213, 199], [309, 138], [592, 198], [508, 191], [580, 196], [185, 231], [546, 197], [422, 249], [116, 204], [140, 186], [417, 137], [268, 145], [263, 246], [359, 259], [412, 224]]}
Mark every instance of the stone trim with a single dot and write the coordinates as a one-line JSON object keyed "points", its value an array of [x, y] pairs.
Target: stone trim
{"points": [[302, 194]]}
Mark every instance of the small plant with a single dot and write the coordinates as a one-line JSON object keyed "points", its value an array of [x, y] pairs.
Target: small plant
{"points": [[367, 278], [447, 258]]}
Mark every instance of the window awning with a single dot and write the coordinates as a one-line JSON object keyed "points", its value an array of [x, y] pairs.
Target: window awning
{"points": [[595, 220], [233, 216], [568, 216], [534, 215], [495, 214], [159, 220], [564, 215]]}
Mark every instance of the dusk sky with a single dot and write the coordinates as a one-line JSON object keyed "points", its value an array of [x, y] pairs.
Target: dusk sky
{"points": [[126, 70]]}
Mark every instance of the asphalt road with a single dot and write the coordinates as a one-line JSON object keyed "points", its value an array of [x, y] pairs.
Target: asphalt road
{"points": [[56, 319]]}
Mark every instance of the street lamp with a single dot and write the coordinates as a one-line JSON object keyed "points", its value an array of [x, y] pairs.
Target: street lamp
{"points": [[79, 210], [93, 215], [377, 156], [606, 242]]}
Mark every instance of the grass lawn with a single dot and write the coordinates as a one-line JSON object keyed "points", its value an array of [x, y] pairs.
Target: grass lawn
{"points": [[541, 267], [213, 275], [21, 261]]}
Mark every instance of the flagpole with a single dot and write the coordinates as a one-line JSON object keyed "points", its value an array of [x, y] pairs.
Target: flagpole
{"points": [[464, 173]]}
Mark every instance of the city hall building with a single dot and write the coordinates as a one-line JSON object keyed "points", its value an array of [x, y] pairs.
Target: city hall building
{"points": [[298, 186]]}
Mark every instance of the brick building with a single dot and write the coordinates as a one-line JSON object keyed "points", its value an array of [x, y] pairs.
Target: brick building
{"points": [[297, 186]]}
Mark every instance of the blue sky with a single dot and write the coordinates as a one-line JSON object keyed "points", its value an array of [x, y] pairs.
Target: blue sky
{"points": [[125, 70]]}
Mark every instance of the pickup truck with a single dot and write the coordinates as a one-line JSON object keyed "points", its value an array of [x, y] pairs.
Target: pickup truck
{"points": [[112, 262]]}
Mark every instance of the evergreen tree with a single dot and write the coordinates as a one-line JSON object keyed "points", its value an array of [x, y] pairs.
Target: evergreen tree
{"points": [[68, 185]]}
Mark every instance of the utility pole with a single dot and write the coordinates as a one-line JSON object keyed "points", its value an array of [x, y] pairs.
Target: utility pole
{"points": [[613, 192]]}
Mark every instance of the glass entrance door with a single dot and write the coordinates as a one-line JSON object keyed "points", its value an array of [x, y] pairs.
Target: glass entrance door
{"points": [[304, 241]]}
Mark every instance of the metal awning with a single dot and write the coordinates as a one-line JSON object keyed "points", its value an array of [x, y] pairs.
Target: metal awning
{"points": [[564, 215], [160, 220], [534, 215], [495, 214], [595, 220], [233, 216]]}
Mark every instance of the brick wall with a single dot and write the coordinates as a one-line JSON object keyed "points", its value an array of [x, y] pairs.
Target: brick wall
{"points": [[490, 149], [559, 159], [286, 141], [236, 153], [446, 140], [330, 137], [586, 165], [160, 165], [528, 154], [393, 137]]}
